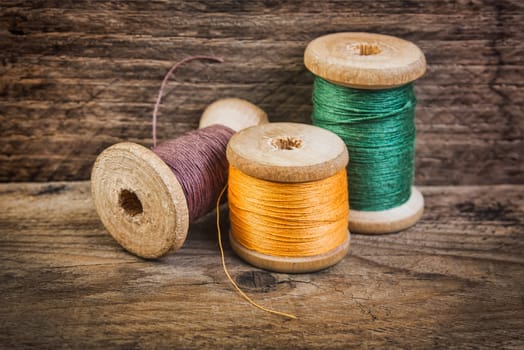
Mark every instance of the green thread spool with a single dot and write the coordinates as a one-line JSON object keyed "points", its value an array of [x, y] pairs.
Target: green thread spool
{"points": [[363, 93]]}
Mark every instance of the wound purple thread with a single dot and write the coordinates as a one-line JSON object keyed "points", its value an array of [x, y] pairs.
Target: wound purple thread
{"points": [[198, 160]]}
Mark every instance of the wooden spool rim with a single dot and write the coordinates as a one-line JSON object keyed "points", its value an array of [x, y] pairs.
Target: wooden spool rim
{"points": [[234, 113], [390, 220], [290, 153], [290, 264], [318, 154], [163, 223], [364, 60]]}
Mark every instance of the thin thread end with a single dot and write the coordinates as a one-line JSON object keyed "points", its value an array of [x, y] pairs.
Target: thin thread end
{"points": [[164, 82], [240, 291]]}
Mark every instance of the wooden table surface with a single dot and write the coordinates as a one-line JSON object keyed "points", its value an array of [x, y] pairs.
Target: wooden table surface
{"points": [[455, 279]]}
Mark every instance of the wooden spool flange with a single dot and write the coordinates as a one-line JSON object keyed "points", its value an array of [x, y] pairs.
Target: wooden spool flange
{"points": [[138, 198], [370, 61], [318, 155], [234, 113]]}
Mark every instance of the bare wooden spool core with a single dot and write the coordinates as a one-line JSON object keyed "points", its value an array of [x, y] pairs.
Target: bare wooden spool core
{"points": [[373, 62], [138, 198], [288, 152]]}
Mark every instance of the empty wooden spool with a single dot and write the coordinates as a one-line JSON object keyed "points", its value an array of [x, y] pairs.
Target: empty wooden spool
{"points": [[138, 198], [370, 61], [320, 154]]}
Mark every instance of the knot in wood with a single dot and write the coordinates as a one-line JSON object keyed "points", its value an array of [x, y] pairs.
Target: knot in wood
{"points": [[260, 281]]}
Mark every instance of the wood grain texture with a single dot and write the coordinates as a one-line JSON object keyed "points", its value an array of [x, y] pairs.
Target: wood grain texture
{"points": [[78, 76], [455, 279]]}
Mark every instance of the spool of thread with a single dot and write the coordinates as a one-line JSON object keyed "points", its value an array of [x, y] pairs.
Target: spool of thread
{"points": [[363, 93], [287, 197], [147, 198]]}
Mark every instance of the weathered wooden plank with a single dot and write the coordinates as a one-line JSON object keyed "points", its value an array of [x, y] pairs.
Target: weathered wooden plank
{"points": [[380, 6], [251, 51], [108, 82], [443, 134], [454, 280], [461, 153], [36, 70], [226, 19], [96, 67]]}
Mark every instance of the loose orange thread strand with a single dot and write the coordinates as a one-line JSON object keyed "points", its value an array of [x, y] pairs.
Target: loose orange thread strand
{"points": [[244, 295], [288, 219]]}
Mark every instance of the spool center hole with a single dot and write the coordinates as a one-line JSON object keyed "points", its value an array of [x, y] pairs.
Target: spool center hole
{"points": [[130, 202], [286, 142], [365, 49]]}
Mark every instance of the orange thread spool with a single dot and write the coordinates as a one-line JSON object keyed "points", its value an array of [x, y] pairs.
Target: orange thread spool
{"points": [[288, 197]]}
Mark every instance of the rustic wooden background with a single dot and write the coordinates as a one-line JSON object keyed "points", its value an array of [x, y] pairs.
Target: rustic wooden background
{"points": [[78, 76]]}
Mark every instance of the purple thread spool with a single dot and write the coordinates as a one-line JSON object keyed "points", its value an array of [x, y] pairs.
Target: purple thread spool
{"points": [[147, 198]]}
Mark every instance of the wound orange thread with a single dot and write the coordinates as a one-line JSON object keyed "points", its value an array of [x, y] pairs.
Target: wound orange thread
{"points": [[288, 219]]}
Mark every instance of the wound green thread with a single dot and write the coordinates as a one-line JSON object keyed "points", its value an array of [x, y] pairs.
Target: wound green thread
{"points": [[378, 128]]}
